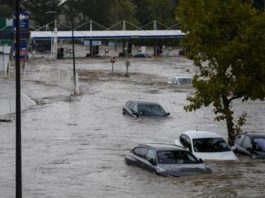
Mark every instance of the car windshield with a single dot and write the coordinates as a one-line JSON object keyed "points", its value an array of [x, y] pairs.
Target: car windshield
{"points": [[176, 157], [260, 143], [210, 145], [151, 110]]}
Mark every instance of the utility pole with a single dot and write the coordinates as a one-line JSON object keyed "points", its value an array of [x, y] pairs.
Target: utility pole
{"points": [[18, 107]]}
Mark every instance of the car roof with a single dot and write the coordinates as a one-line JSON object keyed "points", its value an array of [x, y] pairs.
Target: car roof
{"points": [[163, 146], [254, 134], [142, 102], [201, 134]]}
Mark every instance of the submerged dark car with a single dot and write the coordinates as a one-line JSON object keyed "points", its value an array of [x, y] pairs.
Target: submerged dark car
{"points": [[250, 144], [166, 160], [143, 108]]}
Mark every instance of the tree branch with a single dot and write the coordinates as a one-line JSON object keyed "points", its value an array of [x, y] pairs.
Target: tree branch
{"points": [[234, 97]]}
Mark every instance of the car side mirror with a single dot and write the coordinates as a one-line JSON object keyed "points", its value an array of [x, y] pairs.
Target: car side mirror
{"points": [[152, 161], [167, 114], [200, 161]]}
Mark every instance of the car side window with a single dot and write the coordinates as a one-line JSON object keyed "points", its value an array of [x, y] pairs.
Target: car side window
{"points": [[131, 106], [128, 104], [137, 151], [135, 108], [140, 151], [247, 142], [150, 154], [239, 139]]}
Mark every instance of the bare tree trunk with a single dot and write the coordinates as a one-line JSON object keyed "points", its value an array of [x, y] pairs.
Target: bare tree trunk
{"points": [[230, 130], [229, 121]]}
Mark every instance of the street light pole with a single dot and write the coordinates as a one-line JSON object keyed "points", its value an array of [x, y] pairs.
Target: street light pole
{"points": [[18, 108], [54, 47]]}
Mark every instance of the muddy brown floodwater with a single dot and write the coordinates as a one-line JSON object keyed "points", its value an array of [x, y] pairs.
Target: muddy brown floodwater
{"points": [[74, 147]]}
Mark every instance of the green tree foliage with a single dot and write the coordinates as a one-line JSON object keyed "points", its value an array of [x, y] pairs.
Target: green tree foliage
{"points": [[6, 8], [38, 10], [226, 41], [5, 11], [123, 10], [96, 10], [164, 11], [160, 10], [11, 3], [104, 12], [143, 11]]}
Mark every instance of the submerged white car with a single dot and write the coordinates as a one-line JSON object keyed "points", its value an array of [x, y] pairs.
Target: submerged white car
{"points": [[206, 145]]}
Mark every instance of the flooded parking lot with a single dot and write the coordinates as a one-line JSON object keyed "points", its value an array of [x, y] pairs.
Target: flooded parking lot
{"points": [[74, 147]]}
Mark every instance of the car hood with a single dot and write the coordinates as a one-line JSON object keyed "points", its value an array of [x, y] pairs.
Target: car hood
{"points": [[177, 170], [228, 155]]}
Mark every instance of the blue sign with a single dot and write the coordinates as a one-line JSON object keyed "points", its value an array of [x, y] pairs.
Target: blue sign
{"points": [[23, 22]]}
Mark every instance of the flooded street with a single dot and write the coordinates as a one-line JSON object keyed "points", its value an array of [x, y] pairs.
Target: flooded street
{"points": [[74, 147]]}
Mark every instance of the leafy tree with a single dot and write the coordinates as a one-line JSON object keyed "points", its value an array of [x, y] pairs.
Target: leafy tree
{"points": [[143, 11], [96, 10], [6, 8], [164, 11], [38, 10], [149, 10], [226, 41], [5, 11], [123, 10], [11, 3]]}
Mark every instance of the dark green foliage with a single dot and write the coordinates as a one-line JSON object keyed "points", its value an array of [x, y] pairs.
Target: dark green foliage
{"points": [[96, 10], [5, 11], [123, 10], [38, 10], [104, 12]]}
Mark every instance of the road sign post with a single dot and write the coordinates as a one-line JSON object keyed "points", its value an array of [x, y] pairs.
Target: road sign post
{"points": [[112, 60]]}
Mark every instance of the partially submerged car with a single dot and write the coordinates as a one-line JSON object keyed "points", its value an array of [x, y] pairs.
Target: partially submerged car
{"points": [[206, 145], [166, 160], [176, 80], [250, 144], [136, 108]]}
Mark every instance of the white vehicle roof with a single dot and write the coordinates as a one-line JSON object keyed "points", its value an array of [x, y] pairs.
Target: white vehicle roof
{"points": [[201, 134]]}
